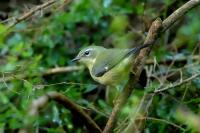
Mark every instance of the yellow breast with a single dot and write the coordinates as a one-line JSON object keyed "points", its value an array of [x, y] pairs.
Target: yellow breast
{"points": [[116, 75]]}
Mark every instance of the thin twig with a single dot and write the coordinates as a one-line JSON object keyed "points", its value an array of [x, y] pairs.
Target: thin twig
{"points": [[177, 84], [62, 70], [162, 120], [179, 59], [47, 72], [32, 11]]}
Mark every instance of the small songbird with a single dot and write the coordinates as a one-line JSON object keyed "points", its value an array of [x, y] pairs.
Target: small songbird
{"points": [[110, 67]]}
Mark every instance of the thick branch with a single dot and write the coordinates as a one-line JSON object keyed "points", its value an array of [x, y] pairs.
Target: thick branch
{"points": [[179, 13], [156, 25], [67, 103]]}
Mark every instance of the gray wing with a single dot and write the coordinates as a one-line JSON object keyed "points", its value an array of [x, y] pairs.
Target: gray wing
{"points": [[111, 57], [107, 60]]}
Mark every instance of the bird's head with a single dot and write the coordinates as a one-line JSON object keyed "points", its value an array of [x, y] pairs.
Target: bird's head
{"points": [[88, 55]]}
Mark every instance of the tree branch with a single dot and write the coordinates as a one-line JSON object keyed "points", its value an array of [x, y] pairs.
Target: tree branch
{"points": [[137, 68], [163, 121], [177, 84], [32, 11], [179, 13], [67, 103], [178, 59], [62, 70], [155, 30], [47, 72]]}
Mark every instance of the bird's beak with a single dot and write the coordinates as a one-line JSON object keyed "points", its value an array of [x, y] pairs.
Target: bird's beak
{"points": [[76, 59]]}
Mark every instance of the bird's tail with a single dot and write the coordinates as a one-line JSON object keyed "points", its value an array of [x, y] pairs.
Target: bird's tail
{"points": [[138, 48]]}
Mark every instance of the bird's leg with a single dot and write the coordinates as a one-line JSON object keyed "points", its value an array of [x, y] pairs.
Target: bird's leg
{"points": [[111, 94]]}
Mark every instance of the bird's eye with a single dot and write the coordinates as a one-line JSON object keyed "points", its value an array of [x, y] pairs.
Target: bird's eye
{"points": [[87, 53]]}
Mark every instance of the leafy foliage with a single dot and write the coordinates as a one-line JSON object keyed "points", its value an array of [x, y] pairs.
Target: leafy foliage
{"points": [[41, 43]]}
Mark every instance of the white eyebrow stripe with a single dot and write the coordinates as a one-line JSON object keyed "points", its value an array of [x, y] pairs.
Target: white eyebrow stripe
{"points": [[88, 49]]}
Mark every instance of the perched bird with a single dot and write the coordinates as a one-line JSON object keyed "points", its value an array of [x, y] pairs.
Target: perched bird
{"points": [[109, 67]]}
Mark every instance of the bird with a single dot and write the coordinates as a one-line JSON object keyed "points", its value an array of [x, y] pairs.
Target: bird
{"points": [[108, 66]]}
